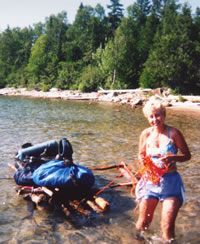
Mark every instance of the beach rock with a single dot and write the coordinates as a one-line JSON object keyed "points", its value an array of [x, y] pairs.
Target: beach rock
{"points": [[133, 97]]}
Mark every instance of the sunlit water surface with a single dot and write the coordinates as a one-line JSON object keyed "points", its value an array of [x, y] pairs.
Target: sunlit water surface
{"points": [[101, 134]]}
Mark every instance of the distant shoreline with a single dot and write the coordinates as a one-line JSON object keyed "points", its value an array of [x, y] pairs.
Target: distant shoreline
{"points": [[132, 97]]}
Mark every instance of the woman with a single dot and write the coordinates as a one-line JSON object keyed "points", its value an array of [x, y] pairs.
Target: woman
{"points": [[162, 143]]}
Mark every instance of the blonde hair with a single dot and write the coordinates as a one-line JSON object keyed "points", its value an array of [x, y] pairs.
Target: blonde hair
{"points": [[152, 105]]}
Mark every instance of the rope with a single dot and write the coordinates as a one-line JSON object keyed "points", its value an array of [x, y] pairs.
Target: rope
{"points": [[122, 165], [106, 186], [132, 174], [150, 172]]}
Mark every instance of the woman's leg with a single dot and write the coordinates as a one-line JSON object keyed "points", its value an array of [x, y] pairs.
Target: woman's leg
{"points": [[146, 210], [170, 208]]}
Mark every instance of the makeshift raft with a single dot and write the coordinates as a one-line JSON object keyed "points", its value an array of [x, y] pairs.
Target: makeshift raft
{"points": [[76, 194], [46, 175], [45, 198]]}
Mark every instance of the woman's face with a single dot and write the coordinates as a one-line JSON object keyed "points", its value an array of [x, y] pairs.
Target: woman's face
{"points": [[156, 118]]}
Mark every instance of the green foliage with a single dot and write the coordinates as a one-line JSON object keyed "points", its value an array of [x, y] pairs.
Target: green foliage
{"points": [[15, 46], [67, 75], [45, 88], [156, 45], [91, 79], [38, 60], [171, 62], [139, 11], [181, 98], [118, 61], [167, 63], [115, 15]]}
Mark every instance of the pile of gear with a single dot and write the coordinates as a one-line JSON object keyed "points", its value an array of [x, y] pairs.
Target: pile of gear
{"points": [[46, 174]]}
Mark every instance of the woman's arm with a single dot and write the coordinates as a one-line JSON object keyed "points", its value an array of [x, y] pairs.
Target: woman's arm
{"points": [[182, 145]]}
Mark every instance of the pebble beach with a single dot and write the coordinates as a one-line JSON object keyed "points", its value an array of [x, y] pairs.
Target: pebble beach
{"points": [[131, 97]]}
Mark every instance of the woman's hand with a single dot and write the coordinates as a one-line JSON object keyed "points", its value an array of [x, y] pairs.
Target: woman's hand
{"points": [[167, 159]]}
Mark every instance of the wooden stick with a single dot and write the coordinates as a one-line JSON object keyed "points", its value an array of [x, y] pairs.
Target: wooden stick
{"points": [[75, 204], [37, 198], [12, 167], [102, 203], [29, 189], [47, 191], [65, 210], [94, 207], [121, 184]]}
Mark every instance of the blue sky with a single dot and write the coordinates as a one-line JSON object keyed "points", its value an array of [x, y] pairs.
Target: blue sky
{"points": [[24, 13]]}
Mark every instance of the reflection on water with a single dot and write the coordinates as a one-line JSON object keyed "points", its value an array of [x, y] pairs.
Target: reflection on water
{"points": [[101, 134]]}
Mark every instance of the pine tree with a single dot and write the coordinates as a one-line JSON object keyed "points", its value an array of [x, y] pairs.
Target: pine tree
{"points": [[174, 57], [115, 15]]}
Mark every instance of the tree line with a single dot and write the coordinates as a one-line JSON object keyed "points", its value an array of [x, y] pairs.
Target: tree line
{"points": [[156, 44]]}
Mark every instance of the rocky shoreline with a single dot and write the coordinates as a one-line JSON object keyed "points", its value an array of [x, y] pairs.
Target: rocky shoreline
{"points": [[132, 97]]}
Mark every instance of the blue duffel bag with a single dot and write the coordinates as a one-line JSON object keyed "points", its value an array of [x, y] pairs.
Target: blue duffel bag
{"points": [[23, 177], [57, 174]]}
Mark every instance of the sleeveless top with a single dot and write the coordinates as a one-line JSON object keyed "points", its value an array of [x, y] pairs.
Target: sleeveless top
{"points": [[169, 148]]}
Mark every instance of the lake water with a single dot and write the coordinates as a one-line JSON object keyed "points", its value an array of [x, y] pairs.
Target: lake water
{"points": [[101, 134]]}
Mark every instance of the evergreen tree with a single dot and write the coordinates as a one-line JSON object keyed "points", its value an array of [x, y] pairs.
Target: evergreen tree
{"points": [[120, 58], [115, 15], [15, 46], [196, 29], [171, 61], [84, 36], [158, 44], [56, 27], [145, 26], [139, 11], [80, 33], [38, 61], [47, 52], [146, 36]]}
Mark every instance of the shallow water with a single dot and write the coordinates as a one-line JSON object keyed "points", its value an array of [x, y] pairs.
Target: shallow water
{"points": [[101, 134]]}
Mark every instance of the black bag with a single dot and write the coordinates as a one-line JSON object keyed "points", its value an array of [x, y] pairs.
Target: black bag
{"points": [[31, 157], [65, 150]]}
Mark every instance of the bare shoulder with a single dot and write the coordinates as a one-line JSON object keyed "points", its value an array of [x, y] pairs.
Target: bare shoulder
{"points": [[146, 132], [180, 142], [179, 139], [174, 132]]}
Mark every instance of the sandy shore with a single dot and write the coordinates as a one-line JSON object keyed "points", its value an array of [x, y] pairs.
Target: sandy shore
{"points": [[133, 98]]}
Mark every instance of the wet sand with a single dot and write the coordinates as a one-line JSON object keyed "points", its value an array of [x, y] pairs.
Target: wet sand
{"points": [[186, 107]]}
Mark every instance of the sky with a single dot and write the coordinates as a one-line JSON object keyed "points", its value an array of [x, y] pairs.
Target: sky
{"points": [[25, 13]]}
